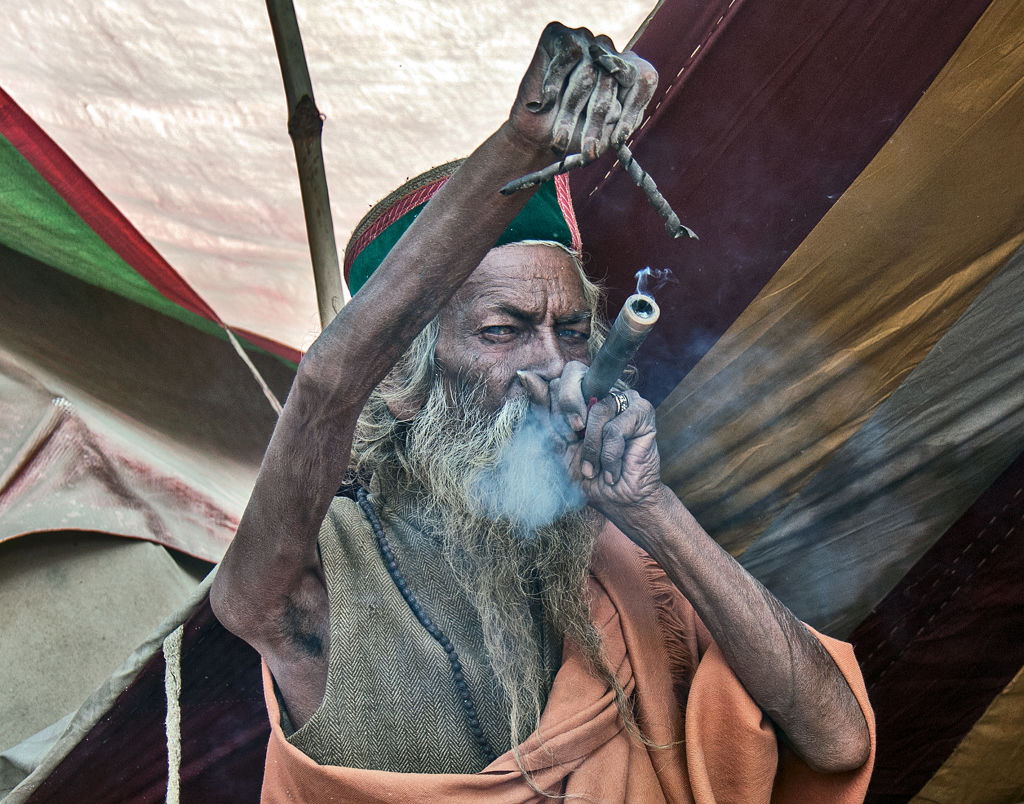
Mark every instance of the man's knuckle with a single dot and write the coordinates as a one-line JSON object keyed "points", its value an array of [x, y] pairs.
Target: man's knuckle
{"points": [[555, 32], [648, 82], [588, 75]]}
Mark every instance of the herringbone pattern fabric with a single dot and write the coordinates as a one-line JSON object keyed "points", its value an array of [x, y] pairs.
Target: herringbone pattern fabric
{"points": [[390, 703]]}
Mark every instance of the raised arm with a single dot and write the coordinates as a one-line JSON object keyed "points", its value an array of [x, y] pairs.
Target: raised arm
{"points": [[269, 587]]}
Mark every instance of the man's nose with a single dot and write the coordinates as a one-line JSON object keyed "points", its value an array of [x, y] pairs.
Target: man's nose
{"points": [[546, 356]]}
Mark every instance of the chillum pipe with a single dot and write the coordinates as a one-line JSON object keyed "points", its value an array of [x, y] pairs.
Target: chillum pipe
{"points": [[639, 313]]}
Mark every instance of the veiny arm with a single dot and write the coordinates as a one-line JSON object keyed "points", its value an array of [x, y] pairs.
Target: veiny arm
{"points": [[269, 588], [783, 667]]}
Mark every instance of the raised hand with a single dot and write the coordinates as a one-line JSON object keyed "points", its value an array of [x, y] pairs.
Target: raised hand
{"points": [[580, 95]]}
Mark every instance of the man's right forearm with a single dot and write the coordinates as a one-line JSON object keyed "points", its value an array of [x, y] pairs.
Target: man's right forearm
{"points": [[275, 545]]}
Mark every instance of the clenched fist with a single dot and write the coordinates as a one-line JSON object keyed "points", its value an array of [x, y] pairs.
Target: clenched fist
{"points": [[580, 95]]}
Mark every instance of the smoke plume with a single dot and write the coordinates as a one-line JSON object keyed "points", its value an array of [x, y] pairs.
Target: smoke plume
{"points": [[530, 485]]}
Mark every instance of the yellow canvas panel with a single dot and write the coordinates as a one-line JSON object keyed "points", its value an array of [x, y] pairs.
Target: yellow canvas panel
{"points": [[988, 765], [863, 299]]}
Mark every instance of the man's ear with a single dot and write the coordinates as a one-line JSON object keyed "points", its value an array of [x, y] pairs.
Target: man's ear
{"points": [[405, 410]]}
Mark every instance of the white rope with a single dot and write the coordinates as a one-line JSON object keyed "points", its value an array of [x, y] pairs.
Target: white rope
{"points": [[255, 371], [172, 691]]}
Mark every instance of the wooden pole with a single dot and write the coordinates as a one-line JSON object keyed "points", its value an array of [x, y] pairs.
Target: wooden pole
{"points": [[304, 126]]}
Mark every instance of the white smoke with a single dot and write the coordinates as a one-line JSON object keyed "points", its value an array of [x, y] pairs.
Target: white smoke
{"points": [[650, 280], [530, 485]]}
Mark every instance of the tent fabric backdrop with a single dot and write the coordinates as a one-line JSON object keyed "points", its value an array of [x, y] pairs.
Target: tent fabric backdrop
{"points": [[161, 413], [840, 375], [176, 111], [55, 213]]}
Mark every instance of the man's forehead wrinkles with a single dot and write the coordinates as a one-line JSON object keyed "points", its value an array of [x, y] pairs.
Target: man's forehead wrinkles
{"points": [[575, 317], [533, 287], [542, 308], [535, 280], [519, 296]]}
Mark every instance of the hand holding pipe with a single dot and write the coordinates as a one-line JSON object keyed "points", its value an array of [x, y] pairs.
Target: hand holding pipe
{"points": [[638, 314]]}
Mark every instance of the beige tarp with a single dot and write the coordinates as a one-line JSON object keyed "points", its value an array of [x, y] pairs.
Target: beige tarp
{"points": [[177, 112]]}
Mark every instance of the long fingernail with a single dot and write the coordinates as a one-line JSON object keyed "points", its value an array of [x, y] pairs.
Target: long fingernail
{"points": [[588, 469], [609, 479], [576, 422]]}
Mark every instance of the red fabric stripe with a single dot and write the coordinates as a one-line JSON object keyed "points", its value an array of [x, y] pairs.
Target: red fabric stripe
{"points": [[274, 347], [946, 640], [752, 137], [100, 214], [392, 214], [86, 199]]}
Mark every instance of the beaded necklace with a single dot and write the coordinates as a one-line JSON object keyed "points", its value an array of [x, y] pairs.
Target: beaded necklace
{"points": [[472, 720]]}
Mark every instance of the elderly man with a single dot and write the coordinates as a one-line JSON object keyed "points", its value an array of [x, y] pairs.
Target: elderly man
{"points": [[516, 607]]}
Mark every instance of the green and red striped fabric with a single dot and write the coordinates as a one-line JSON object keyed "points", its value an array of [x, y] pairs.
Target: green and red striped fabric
{"points": [[52, 212]]}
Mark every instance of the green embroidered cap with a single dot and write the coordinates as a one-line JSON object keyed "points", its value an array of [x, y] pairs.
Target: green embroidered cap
{"points": [[548, 216]]}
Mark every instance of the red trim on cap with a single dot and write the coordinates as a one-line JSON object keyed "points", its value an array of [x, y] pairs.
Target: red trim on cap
{"points": [[389, 216], [565, 202]]}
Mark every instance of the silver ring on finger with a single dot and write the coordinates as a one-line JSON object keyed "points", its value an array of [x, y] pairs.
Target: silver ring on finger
{"points": [[621, 402]]}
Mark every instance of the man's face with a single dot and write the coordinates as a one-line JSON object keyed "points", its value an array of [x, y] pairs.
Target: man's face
{"points": [[522, 309]]}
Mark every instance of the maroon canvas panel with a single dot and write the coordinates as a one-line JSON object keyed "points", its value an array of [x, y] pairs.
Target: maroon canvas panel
{"points": [[223, 725], [946, 640], [753, 137]]}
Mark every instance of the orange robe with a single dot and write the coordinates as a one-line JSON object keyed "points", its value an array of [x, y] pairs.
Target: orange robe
{"points": [[717, 744]]}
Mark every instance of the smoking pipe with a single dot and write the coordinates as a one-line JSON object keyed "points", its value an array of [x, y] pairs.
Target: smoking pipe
{"points": [[638, 314]]}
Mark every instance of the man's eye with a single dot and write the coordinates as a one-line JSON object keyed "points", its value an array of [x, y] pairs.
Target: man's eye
{"points": [[498, 331], [573, 334]]}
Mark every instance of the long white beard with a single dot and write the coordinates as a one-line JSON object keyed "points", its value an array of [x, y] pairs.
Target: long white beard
{"points": [[510, 524]]}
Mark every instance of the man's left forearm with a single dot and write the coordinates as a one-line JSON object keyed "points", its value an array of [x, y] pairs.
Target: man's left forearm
{"points": [[782, 665]]}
